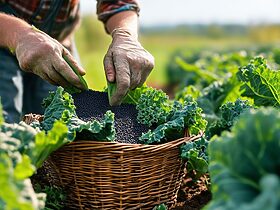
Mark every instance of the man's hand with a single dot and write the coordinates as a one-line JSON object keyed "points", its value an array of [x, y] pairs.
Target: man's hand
{"points": [[42, 55], [127, 63]]}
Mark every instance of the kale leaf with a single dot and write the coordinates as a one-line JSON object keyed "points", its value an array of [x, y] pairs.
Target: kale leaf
{"points": [[16, 190], [60, 106], [182, 117], [196, 155], [22, 150], [133, 96], [244, 163], [228, 114], [153, 107], [260, 83]]}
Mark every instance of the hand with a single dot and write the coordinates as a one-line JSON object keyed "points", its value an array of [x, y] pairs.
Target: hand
{"points": [[42, 55], [127, 63]]}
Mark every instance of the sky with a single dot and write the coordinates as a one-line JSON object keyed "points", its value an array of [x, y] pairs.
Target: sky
{"points": [[172, 12]]}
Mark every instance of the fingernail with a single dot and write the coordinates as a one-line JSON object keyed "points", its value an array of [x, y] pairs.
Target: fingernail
{"points": [[110, 78], [82, 72]]}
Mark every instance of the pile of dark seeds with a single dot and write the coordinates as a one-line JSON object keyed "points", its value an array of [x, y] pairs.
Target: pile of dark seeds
{"points": [[92, 105]]}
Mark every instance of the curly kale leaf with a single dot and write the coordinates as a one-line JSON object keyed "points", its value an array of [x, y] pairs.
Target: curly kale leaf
{"points": [[181, 117], [192, 115], [60, 106], [213, 96], [196, 155], [96, 130], [22, 132], [260, 83], [229, 113], [168, 131], [153, 107], [244, 163], [24, 139], [133, 96]]}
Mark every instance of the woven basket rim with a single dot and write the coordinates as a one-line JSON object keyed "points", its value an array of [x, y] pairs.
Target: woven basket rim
{"points": [[128, 145]]}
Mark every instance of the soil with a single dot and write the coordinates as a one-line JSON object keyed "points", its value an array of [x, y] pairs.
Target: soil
{"points": [[193, 195]]}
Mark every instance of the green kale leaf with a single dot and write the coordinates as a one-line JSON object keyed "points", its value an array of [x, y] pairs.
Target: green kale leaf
{"points": [[196, 155], [228, 114], [16, 190], [60, 106], [260, 83], [244, 163], [168, 131], [133, 96], [97, 130], [182, 117], [153, 107]]}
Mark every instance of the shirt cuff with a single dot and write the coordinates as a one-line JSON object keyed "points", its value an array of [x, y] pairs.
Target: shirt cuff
{"points": [[106, 9]]}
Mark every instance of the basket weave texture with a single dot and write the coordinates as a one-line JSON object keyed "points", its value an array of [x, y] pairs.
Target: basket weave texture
{"points": [[105, 175], [111, 175]]}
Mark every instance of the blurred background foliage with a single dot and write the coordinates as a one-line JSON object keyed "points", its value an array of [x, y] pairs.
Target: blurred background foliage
{"points": [[164, 42]]}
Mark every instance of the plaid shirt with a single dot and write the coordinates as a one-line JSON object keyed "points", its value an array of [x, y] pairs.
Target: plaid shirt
{"points": [[36, 12]]}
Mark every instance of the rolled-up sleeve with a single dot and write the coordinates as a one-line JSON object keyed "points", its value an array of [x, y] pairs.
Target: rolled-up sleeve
{"points": [[107, 8]]}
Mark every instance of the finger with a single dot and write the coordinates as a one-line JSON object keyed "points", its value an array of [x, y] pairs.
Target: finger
{"points": [[135, 78], [56, 77], [62, 67], [40, 71], [45, 77], [147, 67], [109, 67], [73, 62], [122, 79]]}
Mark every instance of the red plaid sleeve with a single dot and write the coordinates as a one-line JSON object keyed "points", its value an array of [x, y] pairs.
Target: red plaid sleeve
{"points": [[64, 22], [107, 8]]}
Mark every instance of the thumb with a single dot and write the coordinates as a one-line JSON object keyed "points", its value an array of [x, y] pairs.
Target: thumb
{"points": [[109, 68]]}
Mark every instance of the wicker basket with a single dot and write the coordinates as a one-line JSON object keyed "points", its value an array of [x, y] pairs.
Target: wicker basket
{"points": [[106, 175]]}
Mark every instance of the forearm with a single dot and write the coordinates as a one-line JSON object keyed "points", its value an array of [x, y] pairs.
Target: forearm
{"points": [[12, 28], [126, 20]]}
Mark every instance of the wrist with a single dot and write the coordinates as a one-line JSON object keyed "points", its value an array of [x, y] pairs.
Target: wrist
{"points": [[21, 35], [123, 32], [126, 21], [15, 29]]}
